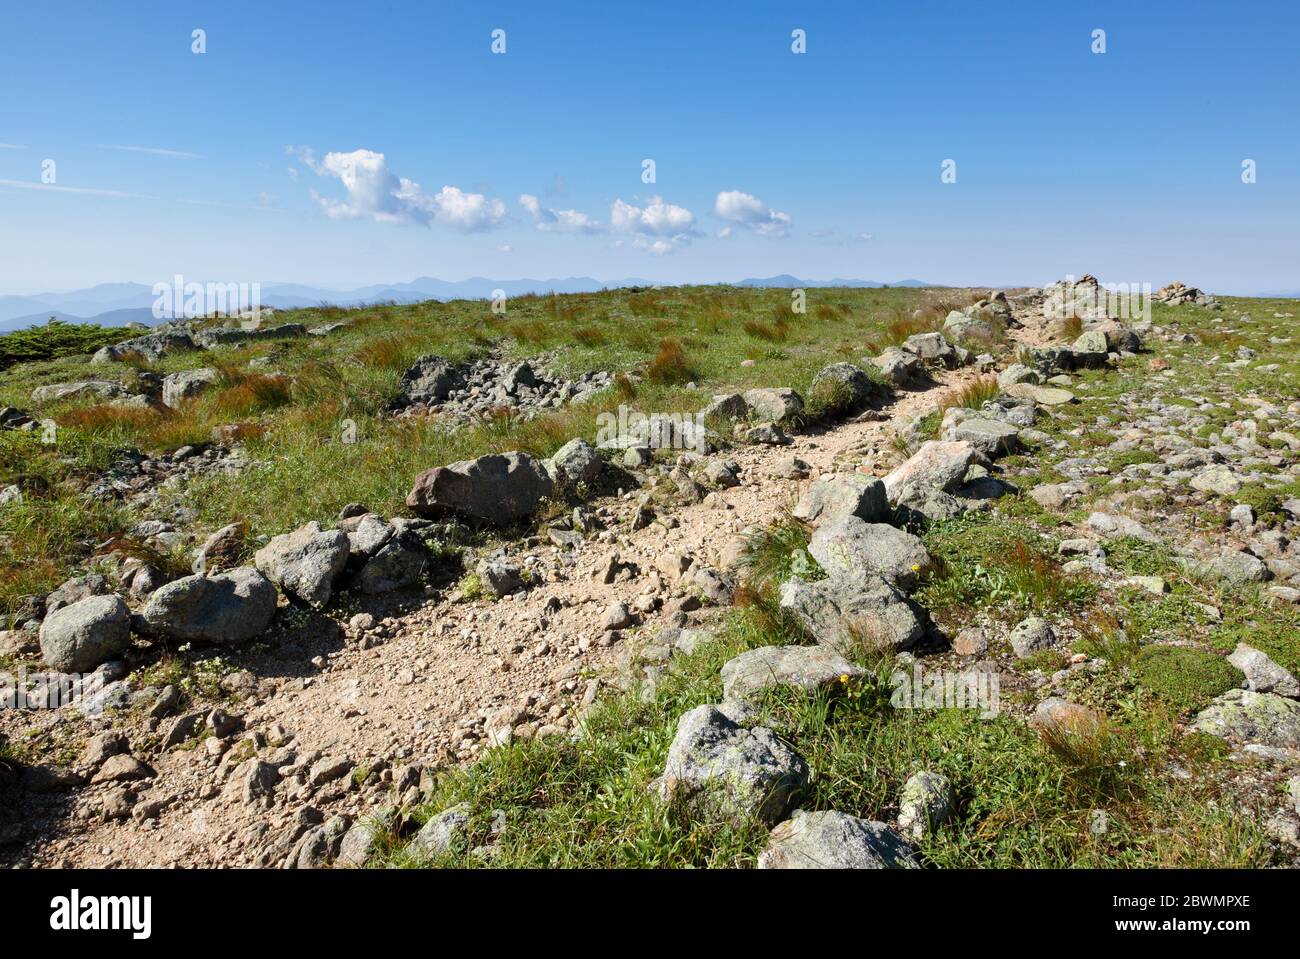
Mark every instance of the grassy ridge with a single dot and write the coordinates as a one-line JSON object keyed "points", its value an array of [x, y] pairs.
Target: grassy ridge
{"points": [[293, 418]]}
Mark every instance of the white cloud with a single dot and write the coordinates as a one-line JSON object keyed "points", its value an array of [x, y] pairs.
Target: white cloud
{"points": [[374, 191], [90, 191], [11, 146], [155, 151], [748, 211], [658, 247], [559, 221], [659, 227]]}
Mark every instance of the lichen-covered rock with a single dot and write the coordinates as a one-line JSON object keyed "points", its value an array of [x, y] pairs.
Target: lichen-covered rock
{"points": [[187, 384], [1031, 635], [227, 608], [1262, 674], [841, 387], [838, 496], [430, 379], [810, 668], [1265, 719], [897, 367], [835, 840], [575, 462], [926, 803], [306, 562], [847, 547], [402, 561], [99, 389], [851, 616], [441, 834], [723, 769], [79, 637], [937, 465], [773, 404]]}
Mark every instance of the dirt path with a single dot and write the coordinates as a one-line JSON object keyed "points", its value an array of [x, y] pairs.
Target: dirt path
{"points": [[428, 684]]}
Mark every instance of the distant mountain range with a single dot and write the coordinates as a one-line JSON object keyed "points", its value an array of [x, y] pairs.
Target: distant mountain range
{"points": [[117, 304], [786, 281]]}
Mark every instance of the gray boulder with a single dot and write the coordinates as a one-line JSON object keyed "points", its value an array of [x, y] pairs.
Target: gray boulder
{"points": [[442, 834], [76, 589], [1262, 674], [1090, 349], [91, 631], [810, 668], [401, 562], [835, 840], [773, 405], [367, 535], [428, 380], [498, 489], [1018, 373], [991, 437], [850, 616], [1237, 567], [306, 562], [837, 496], [152, 347], [1031, 635], [841, 387], [575, 462], [81, 389], [897, 366], [1112, 526], [723, 769], [937, 465], [187, 384], [930, 347], [226, 609], [725, 406], [499, 578], [851, 549]]}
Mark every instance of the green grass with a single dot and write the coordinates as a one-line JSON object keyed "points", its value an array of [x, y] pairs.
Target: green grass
{"points": [[990, 563], [1186, 679], [1024, 799], [295, 422]]}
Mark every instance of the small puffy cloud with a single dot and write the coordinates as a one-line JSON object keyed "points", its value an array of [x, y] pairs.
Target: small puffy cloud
{"points": [[559, 221], [375, 192], [657, 247], [748, 211], [658, 227]]}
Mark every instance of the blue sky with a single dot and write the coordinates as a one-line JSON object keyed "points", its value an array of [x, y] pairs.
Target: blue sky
{"points": [[1125, 164]]}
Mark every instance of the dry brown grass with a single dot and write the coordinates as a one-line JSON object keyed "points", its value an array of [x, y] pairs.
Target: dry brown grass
{"points": [[1070, 328], [251, 393], [589, 336], [643, 304], [670, 365], [106, 418], [391, 352], [772, 332]]}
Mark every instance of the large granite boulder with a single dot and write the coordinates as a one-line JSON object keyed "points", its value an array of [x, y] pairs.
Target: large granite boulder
{"points": [[226, 609], [497, 489]]}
